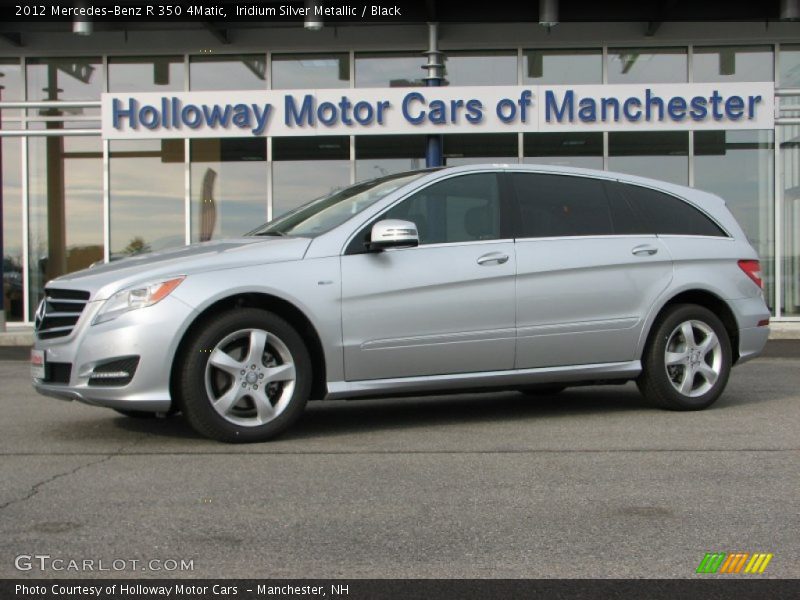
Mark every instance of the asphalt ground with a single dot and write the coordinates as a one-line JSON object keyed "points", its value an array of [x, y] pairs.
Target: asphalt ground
{"points": [[590, 483]]}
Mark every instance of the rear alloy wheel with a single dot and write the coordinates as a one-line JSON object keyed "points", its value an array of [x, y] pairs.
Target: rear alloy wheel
{"points": [[246, 377], [687, 361]]}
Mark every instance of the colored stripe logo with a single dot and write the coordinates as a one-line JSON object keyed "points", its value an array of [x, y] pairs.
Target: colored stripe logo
{"points": [[733, 563]]}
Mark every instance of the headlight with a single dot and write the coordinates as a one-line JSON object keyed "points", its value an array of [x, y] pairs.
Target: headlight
{"points": [[136, 297]]}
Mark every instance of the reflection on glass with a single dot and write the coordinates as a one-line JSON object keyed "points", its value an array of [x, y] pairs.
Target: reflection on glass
{"points": [[738, 166], [146, 195], [661, 155], [790, 159], [647, 65], [229, 186], [146, 74], [378, 155], [558, 67], [10, 87], [472, 149], [481, 68], [64, 79], [732, 63], [564, 149], [11, 191], [396, 69], [228, 72], [65, 187], [307, 168], [310, 71]]}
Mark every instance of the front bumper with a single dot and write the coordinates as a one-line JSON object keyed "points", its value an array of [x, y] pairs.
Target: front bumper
{"points": [[151, 333]]}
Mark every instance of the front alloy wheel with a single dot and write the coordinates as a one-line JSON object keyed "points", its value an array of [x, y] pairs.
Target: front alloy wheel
{"points": [[250, 377], [687, 360], [245, 376]]}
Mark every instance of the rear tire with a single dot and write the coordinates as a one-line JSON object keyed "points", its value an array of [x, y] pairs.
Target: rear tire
{"points": [[687, 360], [245, 377]]}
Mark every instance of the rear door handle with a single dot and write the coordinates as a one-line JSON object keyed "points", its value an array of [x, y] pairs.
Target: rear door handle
{"points": [[644, 250], [493, 258]]}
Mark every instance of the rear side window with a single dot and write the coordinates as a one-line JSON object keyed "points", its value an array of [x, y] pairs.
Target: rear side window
{"points": [[564, 205], [667, 214]]}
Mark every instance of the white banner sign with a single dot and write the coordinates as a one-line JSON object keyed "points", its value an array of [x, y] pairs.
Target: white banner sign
{"points": [[645, 107]]}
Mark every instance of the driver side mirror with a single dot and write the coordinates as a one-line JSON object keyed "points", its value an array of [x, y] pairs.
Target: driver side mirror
{"points": [[392, 233]]}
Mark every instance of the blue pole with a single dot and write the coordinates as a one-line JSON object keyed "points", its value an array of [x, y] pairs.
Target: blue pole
{"points": [[434, 150]]}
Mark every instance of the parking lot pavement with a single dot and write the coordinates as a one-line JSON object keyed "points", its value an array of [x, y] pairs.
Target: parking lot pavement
{"points": [[591, 483]]}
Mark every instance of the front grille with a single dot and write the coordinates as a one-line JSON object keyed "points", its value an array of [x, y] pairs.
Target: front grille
{"points": [[58, 312], [57, 372], [113, 371]]}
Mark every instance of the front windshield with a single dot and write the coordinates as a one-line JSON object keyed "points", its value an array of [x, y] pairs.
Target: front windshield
{"points": [[323, 214]]}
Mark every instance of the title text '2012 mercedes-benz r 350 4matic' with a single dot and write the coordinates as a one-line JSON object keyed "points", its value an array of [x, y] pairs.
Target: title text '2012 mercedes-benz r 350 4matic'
{"points": [[469, 278]]}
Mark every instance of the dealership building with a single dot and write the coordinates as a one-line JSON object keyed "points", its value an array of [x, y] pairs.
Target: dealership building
{"points": [[126, 138]]}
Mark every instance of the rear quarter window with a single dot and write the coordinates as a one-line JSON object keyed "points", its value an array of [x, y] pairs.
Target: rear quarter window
{"points": [[669, 215]]}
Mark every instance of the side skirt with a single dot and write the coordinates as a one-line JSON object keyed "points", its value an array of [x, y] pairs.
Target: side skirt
{"points": [[338, 390]]}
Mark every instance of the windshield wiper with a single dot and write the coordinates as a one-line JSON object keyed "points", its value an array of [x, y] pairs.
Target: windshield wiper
{"points": [[275, 233]]}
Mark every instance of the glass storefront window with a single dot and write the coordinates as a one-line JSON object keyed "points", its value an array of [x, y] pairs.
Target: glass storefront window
{"points": [[229, 186], [566, 149], [378, 155], [477, 148], [789, 73], [300, 71], [65, 195], [732, 63], [79, 78], [11, 190], [647, 65], [560, 67], [481, 68], [738, 166], [146, 74], [661, 155], [395, 69], [10, 87], [305, 168], [790, 164], [146, 179], [228, 72], [51, 79]]}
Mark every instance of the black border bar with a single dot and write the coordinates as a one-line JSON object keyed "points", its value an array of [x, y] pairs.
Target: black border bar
{"points": [[706, 587], [287, 12]]}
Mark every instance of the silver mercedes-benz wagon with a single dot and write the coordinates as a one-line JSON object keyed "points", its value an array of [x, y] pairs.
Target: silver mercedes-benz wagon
{"points": [[472, 278]]}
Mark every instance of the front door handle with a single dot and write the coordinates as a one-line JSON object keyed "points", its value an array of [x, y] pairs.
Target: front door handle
{"points": [[493, 258], [644, 250]]}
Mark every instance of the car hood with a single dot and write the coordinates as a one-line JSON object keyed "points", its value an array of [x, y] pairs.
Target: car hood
{"points": [[104, 280]]}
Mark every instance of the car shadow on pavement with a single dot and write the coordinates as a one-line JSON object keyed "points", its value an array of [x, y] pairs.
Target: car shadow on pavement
{"points": [[335, 418], [344, 417]]}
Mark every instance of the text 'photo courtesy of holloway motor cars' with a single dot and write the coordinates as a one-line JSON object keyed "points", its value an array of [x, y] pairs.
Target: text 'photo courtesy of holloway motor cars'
{"points": [[482, 277]]}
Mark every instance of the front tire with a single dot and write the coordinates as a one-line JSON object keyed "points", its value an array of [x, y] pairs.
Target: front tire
{"points": [[687, 361], [245, 377]]}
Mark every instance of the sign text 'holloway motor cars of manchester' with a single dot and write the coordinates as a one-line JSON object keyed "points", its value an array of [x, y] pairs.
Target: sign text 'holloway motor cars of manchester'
{"points": [[439, 110]]}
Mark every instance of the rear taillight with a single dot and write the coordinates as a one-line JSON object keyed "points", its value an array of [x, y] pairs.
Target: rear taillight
{"points": [[752, 269]]}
